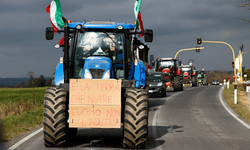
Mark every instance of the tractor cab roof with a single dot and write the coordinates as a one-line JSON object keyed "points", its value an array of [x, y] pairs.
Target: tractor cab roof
{"points": [[169, 59], [186, 66], [102, 25]]}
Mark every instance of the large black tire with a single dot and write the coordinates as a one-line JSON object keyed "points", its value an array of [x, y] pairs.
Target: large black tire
{"points": [[135, 119], [181, 86], [194, 81], [177, 85], [55, 116]]}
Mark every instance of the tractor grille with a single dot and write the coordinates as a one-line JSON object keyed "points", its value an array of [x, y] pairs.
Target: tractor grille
{"points": [[97, 73], [167, 74]]}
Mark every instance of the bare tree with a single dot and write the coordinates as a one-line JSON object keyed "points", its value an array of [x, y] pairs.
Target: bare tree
{"points": [[31, 73], [245, 4]]}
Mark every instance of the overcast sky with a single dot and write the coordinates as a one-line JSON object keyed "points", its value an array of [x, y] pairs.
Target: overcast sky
{"points": [[176, 25]]}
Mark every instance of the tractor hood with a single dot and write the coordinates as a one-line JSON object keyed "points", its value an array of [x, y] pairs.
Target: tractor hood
{"points": [[96, 67]]}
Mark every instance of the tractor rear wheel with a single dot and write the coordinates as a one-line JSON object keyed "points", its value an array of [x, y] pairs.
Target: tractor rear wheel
{"points": [[55, 115], [135, 119], [194, 81], [177, 84]]}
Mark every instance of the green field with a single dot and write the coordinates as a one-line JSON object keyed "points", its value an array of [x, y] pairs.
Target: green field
{"points": [[21, 110]]}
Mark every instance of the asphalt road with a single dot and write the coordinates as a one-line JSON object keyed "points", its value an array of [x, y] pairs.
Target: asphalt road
{"points": [[193, 119]]}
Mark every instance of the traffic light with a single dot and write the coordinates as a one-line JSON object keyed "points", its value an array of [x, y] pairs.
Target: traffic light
{"points": [[199, 41], [243, 68], [233, 64], [197, 49]]}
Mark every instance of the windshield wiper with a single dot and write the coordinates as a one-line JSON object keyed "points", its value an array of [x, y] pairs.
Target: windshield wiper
{"points": [[110, 37]]}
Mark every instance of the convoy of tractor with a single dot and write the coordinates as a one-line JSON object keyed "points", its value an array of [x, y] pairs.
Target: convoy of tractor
{"points": [[189, 74], [202, 78], [102, 81], [172, 71]]}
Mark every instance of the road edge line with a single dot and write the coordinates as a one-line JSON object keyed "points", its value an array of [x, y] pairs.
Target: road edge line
{"points": [[25, 139], [230, 111], [155, 135]]}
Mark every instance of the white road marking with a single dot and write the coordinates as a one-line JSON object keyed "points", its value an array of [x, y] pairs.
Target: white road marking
{"points": [[229, 111], [25, 139], [155, 135]]}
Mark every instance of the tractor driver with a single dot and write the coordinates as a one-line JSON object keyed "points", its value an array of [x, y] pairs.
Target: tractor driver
{"points": [[98, 46]]}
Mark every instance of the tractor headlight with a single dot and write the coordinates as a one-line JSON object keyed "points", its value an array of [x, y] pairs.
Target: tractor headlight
{"points": [[106, 75], [78, 26], [159, 84], [120, 27], [61, 60], [57, 45], [87, 74], [141, 46]]}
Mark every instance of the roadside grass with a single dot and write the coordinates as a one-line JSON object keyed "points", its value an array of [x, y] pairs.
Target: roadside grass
{"points": [[20, 110], [242, 106], [17, 100], [15, 125]]}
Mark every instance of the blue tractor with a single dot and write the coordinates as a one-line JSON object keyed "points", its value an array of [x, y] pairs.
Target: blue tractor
{"points": [[98, 52]]}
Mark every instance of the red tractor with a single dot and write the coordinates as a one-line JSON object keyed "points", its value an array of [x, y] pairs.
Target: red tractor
{"points": [[189, 74], [172, 72]]}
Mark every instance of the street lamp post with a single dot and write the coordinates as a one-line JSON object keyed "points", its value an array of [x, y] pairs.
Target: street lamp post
{"points": [[187, 49], [219, 42]]}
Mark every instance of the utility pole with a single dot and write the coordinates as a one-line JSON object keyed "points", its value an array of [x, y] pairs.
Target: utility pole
{"points": [[241, 60]]}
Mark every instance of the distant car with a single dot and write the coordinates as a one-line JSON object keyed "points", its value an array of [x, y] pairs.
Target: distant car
{"points": [[157, 84], [215, 82]]}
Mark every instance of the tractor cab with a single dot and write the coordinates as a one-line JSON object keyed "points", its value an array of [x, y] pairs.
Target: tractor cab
{"points": [[164, 63], [102, 50]]}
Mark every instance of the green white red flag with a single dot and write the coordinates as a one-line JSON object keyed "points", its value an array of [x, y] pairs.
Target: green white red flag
{"points": [[139, 23], [55, 15]]}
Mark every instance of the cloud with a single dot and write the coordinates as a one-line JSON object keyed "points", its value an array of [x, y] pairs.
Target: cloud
{"points": [[176, 25]]}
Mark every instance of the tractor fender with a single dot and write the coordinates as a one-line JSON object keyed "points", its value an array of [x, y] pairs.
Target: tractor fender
{"points": [[178, 72], [59, 74], [139, 74]]}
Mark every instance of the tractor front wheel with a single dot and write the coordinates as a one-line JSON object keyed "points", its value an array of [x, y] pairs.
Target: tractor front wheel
{"points": [[194, 81], [135, 119], [55, 114], [177, 85]]}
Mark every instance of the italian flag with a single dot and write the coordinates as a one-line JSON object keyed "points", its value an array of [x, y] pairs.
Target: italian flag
{"points": [[55, 15], [139, 23]]}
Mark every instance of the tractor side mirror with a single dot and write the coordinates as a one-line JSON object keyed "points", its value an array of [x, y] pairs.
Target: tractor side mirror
{"points": [[49, 33], [148, 37], [179, 63], [153, 63]]}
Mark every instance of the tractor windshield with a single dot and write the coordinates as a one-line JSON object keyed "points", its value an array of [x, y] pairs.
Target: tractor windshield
{"points": [[107, 44], [166, 64], [99, 44], [186, 69]]}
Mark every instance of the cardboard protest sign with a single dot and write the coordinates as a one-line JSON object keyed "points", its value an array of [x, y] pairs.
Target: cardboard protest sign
{"points": [[95, 103]]}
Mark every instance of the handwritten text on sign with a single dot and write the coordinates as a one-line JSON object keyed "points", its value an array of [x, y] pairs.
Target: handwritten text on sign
{"points": [[98, 117], [84, 91], [95, 103]]}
